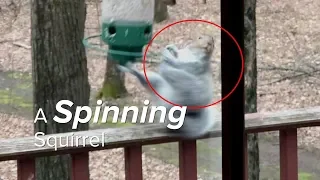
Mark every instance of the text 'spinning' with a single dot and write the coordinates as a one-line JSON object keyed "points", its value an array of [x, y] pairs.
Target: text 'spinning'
{"points": [[99, 115]]}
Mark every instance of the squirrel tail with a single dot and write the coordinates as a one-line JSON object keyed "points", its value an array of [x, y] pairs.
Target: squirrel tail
{"points": [[196, 126]]}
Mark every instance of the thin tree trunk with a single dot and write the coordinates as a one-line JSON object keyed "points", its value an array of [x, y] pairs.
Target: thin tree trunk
{"points": [[251, 84], [113, 84], [59, 72], [160, 11]]}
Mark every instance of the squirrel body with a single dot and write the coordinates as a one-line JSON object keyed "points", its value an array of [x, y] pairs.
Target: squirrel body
{"points": [[184, 78]]}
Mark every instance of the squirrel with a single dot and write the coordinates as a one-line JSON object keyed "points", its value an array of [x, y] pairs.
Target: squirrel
{"points": [[184, 78]]}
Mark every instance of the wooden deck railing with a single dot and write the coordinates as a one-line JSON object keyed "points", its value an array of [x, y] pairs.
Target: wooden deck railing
{"points": [[133, 138]]}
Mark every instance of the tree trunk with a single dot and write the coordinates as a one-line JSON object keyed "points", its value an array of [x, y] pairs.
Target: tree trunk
{"points": [[169, 2], [160, 11], [59, 72], [113, 85], [251, 84]]}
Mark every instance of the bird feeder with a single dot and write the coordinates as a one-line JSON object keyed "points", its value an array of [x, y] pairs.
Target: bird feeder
{"points": [[126, 28]]}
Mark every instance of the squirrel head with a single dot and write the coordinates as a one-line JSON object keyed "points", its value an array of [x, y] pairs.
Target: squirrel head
{"points": [[200, 49], [207, 43], [203, 46]]}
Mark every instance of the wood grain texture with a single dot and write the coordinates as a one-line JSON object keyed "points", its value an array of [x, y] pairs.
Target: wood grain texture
{"points": [[26, 169], [188, 160], [288, 154], [59, 72], [17, 148], [133, 163], [250, 76]]}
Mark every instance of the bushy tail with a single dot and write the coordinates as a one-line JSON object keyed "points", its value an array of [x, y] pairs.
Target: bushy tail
{"points": [[197, 126]]}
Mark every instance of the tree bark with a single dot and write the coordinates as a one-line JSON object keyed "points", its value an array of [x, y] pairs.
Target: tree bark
{"points": [[160, 11], [251, 84], [113, 84], [59, 72], [169, 2]]}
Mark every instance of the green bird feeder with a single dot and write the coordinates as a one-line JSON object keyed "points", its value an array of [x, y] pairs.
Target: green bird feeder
{"points": [[126, 28]]}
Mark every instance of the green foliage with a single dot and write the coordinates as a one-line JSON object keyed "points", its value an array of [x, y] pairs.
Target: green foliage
{"points": [[168, 153], [20, 75], [9, 98], [110, 89], [305, 176]]}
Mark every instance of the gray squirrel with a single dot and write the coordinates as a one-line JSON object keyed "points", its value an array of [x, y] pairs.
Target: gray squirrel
{"points": [[184, 78]]}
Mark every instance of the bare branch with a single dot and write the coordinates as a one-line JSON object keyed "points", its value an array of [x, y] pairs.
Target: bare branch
{"points": [[292, 77], [21, 45]]}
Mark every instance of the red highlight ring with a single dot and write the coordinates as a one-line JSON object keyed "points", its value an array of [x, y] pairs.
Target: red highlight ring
{"points": [[193, 20]]}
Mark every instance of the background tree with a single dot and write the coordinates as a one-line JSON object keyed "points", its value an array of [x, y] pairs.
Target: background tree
{"points": [[113, 85], [251, 83], [59, 71], [161, 9]]}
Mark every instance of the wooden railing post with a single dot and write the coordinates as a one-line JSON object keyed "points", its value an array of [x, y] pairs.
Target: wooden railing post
{"points": [[133, 162], [288, 154], [26, 169], [188, 160], [246, 157], [80, 166], [232, 108]]}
